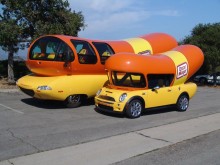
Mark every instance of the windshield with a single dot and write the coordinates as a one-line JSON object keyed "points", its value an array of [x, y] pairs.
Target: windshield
{"points": [[135, 80], [51, 49]]}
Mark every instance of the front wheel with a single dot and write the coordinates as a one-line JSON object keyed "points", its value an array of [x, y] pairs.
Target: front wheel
{"points": [[134, 109], [182, 103], [73, 101]]}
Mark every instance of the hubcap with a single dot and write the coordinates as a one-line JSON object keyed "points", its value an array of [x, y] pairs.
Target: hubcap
{"points": [[183, 103], [136, 109], [74, 98]]}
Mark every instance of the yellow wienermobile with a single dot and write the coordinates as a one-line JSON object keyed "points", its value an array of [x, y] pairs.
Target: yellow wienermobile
{"points": [[138, 82]]}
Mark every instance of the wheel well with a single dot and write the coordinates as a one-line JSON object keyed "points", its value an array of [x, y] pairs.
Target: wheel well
{"points": [[135, 97], [84, 96], [184, 93]]}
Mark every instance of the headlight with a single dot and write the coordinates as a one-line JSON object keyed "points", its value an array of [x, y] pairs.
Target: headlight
{"points": [[98, 92], [122, 97], [45, 87]]}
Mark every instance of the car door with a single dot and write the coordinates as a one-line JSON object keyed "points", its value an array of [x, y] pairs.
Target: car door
{"points": [[161, 96], [160, 92]]}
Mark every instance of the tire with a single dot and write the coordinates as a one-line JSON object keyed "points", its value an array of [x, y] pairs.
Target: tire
{"points": [[73, 101], [134, 109], [182, 103]]}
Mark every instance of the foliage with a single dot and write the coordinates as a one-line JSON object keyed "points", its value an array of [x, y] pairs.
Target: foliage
{"points": [[24, 20], [40, 17], [207, 37]]}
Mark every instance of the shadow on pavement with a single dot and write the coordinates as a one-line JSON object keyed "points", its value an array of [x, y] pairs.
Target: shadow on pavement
{"points": [[151, 111], [52, 104]]}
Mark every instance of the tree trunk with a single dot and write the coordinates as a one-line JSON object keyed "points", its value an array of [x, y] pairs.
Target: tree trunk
{"points": [[11, 79]]}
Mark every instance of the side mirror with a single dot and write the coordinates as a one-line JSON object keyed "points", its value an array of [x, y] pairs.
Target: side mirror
{"points": [[155, 88]]}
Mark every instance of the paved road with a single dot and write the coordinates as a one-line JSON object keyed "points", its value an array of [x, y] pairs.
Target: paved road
{"points": [[202, 150], [28, 126]]}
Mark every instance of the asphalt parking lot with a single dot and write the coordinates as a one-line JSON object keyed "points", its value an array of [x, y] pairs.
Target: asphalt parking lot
{"points": [[29, 126]]}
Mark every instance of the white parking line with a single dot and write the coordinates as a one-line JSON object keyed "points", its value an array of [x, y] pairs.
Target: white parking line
{"points": [[14, 110]]}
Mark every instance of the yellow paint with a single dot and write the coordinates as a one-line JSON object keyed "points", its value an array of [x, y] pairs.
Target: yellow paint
{"points": [[63, 86], [178, 59], [139, 45], [166, 95]]}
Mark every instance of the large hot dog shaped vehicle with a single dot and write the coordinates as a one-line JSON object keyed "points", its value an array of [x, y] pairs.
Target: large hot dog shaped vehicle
{"points": [[70, 69], [139, 81]]}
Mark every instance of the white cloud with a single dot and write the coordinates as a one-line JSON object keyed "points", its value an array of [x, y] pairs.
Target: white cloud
{"points": [[109, 5], [114, 16], [100, 5]]}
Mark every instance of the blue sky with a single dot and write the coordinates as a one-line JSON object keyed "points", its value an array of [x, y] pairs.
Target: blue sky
{"points": [[119, 19]]}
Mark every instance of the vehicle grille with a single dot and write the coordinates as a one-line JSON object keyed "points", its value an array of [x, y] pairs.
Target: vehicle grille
{"points": [[104, 107], [106, 98], [27, 91]]}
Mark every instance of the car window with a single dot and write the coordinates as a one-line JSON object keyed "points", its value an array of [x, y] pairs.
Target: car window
{"points": [[51, 49], [161, 80], [135, 80], [85, 52], [104, 50]]}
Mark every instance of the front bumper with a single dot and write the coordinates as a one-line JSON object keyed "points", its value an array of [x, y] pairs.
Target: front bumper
{"points": [[42, 94], [109, 106]]}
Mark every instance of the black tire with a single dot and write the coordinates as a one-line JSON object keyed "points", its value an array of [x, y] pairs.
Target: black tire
{"points": [[73, 101], [182, 103], [134, 109]]}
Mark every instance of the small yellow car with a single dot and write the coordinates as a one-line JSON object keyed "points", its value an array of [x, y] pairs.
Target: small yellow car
{"points": [[138, 82], [122, 97]]}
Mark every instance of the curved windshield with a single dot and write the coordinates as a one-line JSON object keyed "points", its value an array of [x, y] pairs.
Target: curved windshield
{"points": [[51, 49], [135, 80]]}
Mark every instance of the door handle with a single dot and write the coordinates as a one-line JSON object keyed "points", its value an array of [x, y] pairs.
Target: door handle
{"points": [[169, 90]]}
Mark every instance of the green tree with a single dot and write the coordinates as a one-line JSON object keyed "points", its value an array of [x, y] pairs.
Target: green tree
{"points": [[207, 37], [24, 20], [9, 39]]}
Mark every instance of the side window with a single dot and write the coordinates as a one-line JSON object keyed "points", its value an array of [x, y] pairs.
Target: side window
{"points": [[85, 52], [104, 50], [64, 53], [161, 80], [51, 49]]}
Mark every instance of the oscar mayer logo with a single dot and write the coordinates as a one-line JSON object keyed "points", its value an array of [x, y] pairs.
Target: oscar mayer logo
{"points": [[182, 70]]}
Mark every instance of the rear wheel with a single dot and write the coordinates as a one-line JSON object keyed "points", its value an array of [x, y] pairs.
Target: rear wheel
{"points": [[73, 101], [134, 109], [182, 103]]}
